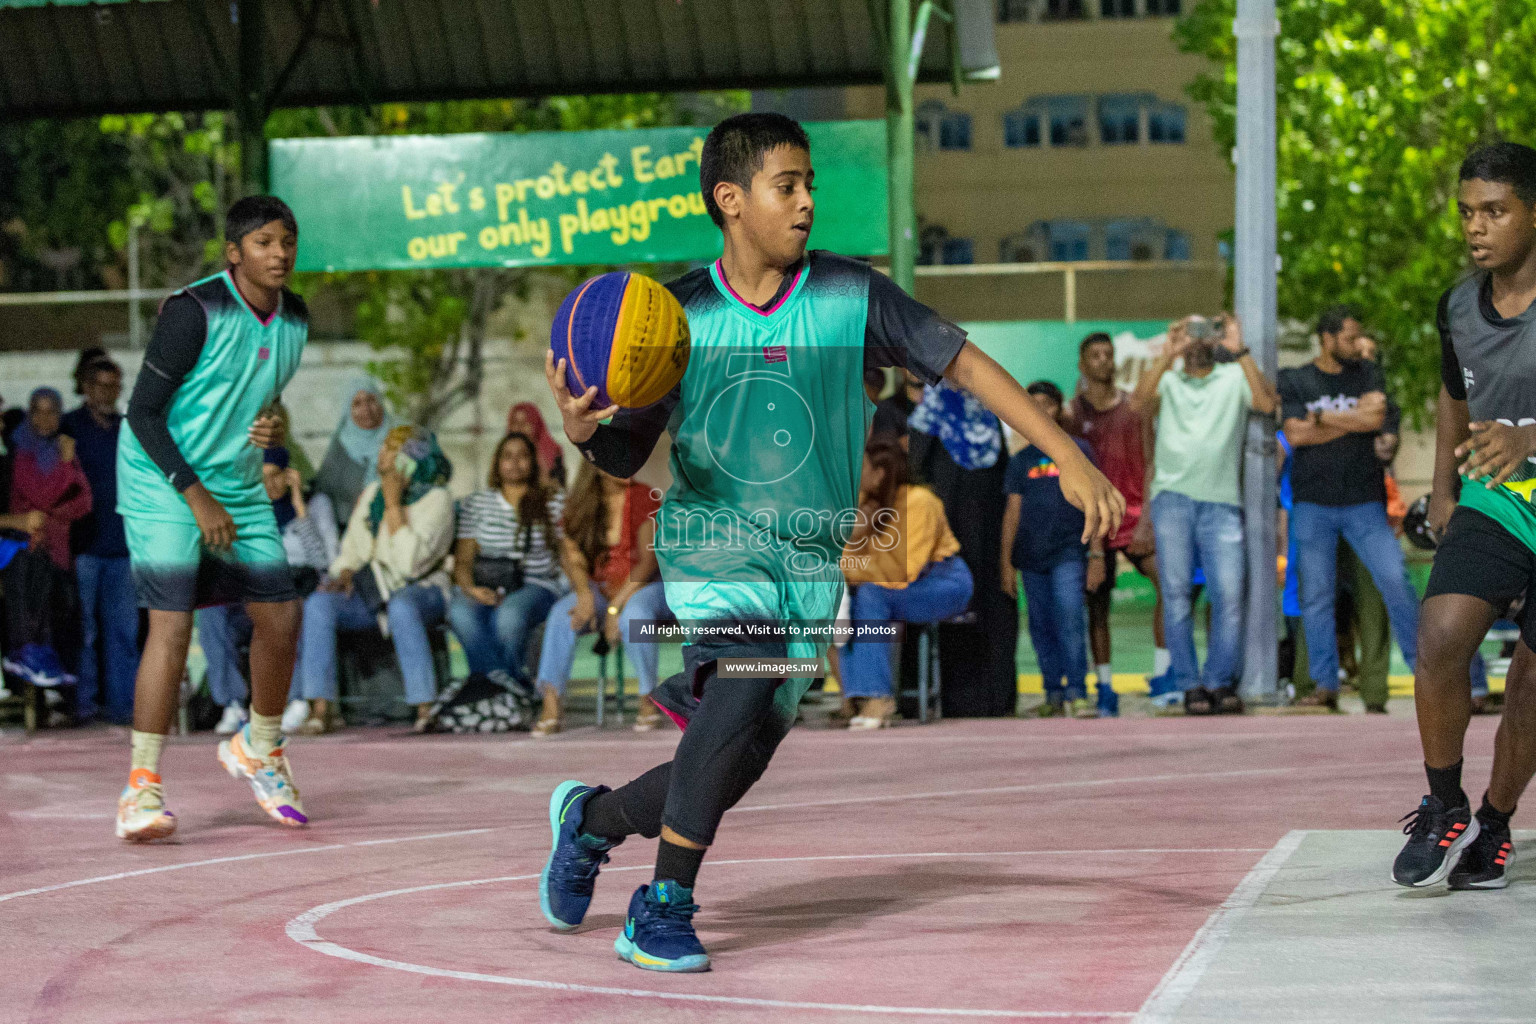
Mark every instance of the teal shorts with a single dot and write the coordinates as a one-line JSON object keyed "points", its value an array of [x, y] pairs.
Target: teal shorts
{"points": [[174, 572]]}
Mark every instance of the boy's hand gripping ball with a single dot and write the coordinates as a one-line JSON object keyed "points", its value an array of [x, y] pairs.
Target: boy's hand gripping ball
{"points": [[625, 333]]}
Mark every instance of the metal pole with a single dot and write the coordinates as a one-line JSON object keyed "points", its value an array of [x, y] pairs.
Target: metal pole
{"points": [[1255, 273], [899, 130], [135, 320], [252, 109], [1069, 290]]}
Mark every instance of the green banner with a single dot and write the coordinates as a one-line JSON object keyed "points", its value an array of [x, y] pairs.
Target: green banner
{"points": [[539, 198]]}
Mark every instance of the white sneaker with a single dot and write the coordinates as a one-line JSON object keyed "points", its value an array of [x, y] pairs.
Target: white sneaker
{"points": [[234, 718], [294, 717]]}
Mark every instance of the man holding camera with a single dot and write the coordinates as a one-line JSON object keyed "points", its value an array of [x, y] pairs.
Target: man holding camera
{"points": [[1334, 409], [1201, 414]]}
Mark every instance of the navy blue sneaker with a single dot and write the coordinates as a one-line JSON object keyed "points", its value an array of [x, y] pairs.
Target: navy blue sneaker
{"points": [[565, 887], [658, 930], [1109, 702]]}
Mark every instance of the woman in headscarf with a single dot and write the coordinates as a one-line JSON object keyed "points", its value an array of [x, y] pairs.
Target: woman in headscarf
{"points": [[349, 464], [49, 492], [524, 418], [956, 449], [391, 573]]}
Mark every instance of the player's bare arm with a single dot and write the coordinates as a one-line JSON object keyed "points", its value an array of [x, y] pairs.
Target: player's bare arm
{"points": [[1495, 450], [1083, 485], [576, 413]]}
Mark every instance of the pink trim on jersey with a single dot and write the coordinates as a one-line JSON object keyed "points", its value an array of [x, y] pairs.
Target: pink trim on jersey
{"points": [[720, 269], [264, 321]]}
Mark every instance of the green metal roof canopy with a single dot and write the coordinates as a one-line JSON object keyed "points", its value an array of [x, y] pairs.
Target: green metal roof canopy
{"points": [[70, 58]]}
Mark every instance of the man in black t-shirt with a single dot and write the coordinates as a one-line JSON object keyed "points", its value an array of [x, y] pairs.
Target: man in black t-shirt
{"points": [[1333, 409]]}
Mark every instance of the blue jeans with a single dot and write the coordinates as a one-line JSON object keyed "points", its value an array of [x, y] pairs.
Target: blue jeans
{"points": [[649, 603], [221, 629], [941, 592], [1057, 605], [1317, 529], [410, 612], [1208, 534], [496, 636], [109, 634]]}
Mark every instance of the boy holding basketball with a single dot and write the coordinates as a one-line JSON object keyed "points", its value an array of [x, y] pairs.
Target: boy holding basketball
{"points": [[768, 427], [200, 526]]}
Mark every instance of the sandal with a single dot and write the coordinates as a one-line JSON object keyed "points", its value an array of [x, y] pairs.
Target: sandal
{"points": [[1227, 701], [1198, 701]]}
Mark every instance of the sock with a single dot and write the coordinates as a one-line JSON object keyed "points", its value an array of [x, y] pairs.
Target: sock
{"points": [[1445, 785], [1106, 676], [602, 817], [1162, 661], [146, 751], [1493, 815], [266, 733], [678, 864]]}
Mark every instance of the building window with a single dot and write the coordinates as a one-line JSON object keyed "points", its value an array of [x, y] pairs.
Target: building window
{"points": [[1120, 119], [1041, 10], [938, 127], [1021, 127], [959, 250], [1069, 240], [1177, 246], [1068, 116], [1117, 8], [935, 245], [1165, 122], [1167, 7]]}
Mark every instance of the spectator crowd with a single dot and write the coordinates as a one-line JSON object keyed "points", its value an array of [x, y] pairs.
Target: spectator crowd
{"points": [[519, 570]]}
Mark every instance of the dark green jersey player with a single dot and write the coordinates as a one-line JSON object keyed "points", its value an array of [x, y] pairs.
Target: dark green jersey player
{"points": [[768, 429], [1485, 450], [200, 528]]}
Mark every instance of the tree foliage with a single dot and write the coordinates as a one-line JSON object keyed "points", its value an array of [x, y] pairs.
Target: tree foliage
{"points": [[1378, 102]]}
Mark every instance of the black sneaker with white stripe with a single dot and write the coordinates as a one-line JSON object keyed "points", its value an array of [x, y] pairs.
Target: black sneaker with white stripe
{"points": [[1437, 835], [1485, 863]]}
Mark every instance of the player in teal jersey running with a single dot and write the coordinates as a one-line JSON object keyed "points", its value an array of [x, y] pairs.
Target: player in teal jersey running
{"points": [[768, 429], [200, 527]]}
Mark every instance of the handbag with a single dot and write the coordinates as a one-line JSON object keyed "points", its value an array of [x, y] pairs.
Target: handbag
{"points": [[502, 575], [366, 586]]}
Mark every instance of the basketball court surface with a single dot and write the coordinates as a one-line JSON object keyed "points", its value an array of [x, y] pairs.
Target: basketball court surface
{"points": [[1144, 870]]}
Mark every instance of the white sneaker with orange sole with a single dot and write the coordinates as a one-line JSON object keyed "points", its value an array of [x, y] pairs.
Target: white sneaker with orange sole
{"points": [[270, 777], [141, 813]]}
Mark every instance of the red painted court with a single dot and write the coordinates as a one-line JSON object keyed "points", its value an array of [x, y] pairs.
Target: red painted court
{"points": [[1027, 870]]}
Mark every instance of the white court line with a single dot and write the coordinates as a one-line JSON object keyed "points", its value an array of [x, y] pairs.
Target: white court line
{"points": [[227, 860], [1175, 987], [302, 930], [1027, 788]]}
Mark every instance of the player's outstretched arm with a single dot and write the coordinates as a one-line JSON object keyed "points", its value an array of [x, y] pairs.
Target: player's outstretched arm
{"points": [[1084, 486]]}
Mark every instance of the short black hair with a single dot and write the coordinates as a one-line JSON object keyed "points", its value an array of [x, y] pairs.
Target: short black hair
{"points": [[99, 365], [1505, 163], [735, 149], [1096, 338], [254, 212], [1049, 390], [1331, 320]]}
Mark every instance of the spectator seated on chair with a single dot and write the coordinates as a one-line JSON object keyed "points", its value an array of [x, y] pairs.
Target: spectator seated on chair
{"points": [[310, 543], [611, 558], [48, 492], [903, 563], [506, 563], [391, 573]]}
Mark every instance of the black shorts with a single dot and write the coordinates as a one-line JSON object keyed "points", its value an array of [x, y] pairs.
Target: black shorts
{"points": [[1481, 559]]}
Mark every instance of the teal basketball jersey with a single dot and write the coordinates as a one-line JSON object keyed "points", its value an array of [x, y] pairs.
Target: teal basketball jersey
{"points": [[241, 370]]}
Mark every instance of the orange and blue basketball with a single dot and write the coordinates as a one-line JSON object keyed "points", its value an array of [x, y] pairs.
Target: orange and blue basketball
{"points": [[625, 333]]}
